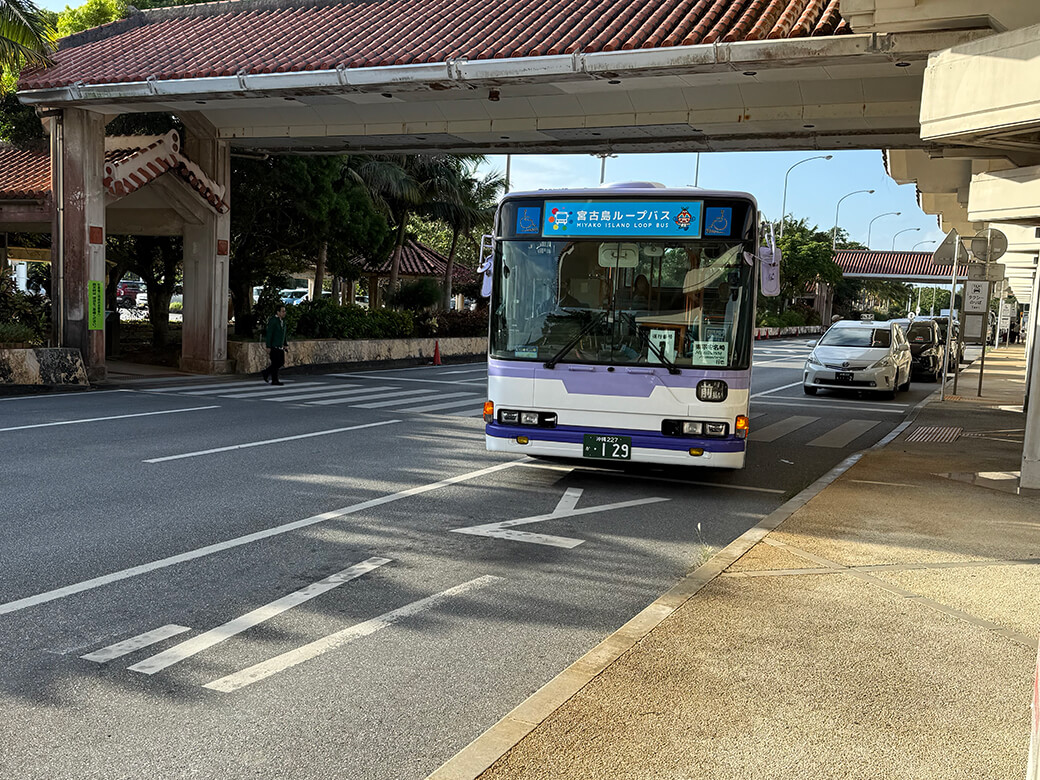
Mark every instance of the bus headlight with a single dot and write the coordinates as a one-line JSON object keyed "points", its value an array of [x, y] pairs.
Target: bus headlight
{"points": [[692, 428], [528, 418], [715, 428], [712, 390]]}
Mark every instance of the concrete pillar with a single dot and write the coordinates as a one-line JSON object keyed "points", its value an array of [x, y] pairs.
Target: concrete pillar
{"points": [[1030, 477], [78, 159], [204, 345]]}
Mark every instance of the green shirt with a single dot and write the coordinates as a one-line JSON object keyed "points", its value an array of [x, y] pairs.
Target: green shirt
{"points": [[276, 332]]}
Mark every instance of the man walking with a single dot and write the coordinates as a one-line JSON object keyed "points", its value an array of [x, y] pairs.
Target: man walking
{"points": [[276, 337]]}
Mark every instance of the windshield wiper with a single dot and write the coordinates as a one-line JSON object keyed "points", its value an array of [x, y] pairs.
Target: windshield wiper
{"points": [[551, 362], [672, 368]]}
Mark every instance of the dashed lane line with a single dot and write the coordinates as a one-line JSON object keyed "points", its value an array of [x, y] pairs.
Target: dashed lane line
{"points": [[280, 663], [133, 644], [265, 442], [211, 549], [104, 419], [215, 636]]}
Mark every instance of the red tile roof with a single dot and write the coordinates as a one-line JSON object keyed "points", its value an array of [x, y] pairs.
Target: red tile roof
{"points": [[272, 36], [24, 174], [417, 260], [894, 265], [130, 167]]}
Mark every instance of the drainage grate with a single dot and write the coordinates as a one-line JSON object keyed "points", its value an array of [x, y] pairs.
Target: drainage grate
{"points": [[934, 435]]}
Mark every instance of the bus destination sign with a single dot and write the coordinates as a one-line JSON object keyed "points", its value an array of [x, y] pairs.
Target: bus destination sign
{"points": [[628, 218]]}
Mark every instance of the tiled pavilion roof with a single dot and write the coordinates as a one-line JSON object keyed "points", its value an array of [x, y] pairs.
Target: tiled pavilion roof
{"points": [[893, 265], [131, 162], [274, 36], [418, 260], [24, 175]]}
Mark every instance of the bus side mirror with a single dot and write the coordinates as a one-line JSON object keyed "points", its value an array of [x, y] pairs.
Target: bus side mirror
{"points": [[487, 253], [769, 267]]}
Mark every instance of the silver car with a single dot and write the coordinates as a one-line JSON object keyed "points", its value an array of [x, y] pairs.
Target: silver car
{"points": [[868, 356]]}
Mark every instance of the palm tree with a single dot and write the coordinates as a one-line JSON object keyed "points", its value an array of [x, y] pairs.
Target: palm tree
{"points": [[471, 207], [25, 36]]}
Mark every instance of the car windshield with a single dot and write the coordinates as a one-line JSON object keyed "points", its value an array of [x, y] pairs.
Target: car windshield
{"points": [[681, 302], [857, 337], [920, 333]]}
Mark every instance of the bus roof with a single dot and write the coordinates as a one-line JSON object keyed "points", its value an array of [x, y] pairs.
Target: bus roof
{"points": [[640, 189]]}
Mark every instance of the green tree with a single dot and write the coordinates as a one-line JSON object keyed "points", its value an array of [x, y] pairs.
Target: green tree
{"points": [[470, 207], [92, 13], [806, 259], [157, 260], [26, 35]]}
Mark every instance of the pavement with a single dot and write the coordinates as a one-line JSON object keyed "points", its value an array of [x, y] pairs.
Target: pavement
{"points": [[883, 623]]}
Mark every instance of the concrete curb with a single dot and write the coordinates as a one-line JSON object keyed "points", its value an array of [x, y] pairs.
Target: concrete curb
{"points": [[498, 740]]}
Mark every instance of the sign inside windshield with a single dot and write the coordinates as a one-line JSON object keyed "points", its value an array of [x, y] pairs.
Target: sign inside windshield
{"points": [[657, 218]]}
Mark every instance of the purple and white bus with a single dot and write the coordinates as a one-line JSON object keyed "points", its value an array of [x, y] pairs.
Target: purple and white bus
{"points": [[622, 321]]}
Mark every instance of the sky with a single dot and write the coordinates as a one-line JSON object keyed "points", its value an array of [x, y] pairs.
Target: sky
{"points": [[813, 188]]}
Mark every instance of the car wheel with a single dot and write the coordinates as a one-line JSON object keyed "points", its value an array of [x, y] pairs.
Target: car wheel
{"points": [[906, 385], [889, 394], [809, 390]]}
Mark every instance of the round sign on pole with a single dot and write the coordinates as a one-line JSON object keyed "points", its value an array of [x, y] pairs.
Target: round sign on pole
{"points": [[989, 245]]}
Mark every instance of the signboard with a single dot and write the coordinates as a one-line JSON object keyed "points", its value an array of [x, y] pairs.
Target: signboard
{"points": [[710, 353], [599, 218], [976, 297], [95, 305], [989, 245], [663, 340], [973, 329], [989, 272], [946, 251], [27, 255], [1005, 315]]}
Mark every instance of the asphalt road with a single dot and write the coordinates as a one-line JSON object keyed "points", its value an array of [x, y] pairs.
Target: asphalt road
{"points": [[224, 579]]}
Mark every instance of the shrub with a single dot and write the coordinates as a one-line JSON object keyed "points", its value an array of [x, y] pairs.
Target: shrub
{"points": [[325, 319], [16, 333], [28, 311], [177, 306], [462, 323], [417, 295]]}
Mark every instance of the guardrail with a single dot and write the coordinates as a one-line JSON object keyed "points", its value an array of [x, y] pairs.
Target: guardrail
{"points": [[797, 330]]}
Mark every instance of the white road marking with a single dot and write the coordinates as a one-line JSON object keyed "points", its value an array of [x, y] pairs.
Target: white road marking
{"points": [[103, 419], [781, 428], [127, 646], [202, 552], [270, 392], [844, 433], [410, 379], [35, 396], [314, 395], [253, 389], [647, 477], [421, 399], [895, 409], [419, 369], [370, 397], [198, 386], [280, 663], [215, 636], [564, 509], [435, 407], [467, 371], [777, 389], [265, 442]]}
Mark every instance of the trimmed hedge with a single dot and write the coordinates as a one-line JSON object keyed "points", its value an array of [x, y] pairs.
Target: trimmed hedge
{"points": [[324, 319]]}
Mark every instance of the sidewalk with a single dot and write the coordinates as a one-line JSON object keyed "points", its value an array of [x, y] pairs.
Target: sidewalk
{"points": [[887, 628]]}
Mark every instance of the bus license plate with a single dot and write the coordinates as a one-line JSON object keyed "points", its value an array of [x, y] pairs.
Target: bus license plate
{"points": [[607, 447], [843, 376]]}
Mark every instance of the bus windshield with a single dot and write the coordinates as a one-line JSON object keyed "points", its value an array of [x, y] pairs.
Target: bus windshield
{"points": [[674, 302]]}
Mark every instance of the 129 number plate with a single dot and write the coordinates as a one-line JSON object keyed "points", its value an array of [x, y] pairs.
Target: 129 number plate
{"points": [[607, 447]]}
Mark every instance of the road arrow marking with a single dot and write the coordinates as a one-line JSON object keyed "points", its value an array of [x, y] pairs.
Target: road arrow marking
{"points": [[563, 509]]}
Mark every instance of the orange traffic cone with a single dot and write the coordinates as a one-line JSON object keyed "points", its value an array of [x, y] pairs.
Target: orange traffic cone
{"points": [[437, 352]]}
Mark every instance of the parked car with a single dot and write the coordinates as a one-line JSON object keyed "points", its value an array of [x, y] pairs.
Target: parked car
{"points": [[294, 297], [853, 355], [954, 354], [126, 293], [177, 297], [927, 346]]}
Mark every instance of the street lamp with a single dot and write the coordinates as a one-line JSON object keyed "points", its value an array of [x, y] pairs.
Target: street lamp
{"points": [[879, 216], [919, 244], [834, 233], [603, 164], [908, 230], [783, 207]]}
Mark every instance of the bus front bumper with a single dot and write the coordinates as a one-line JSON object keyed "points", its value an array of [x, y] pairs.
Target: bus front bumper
{"points": [[647, 446]]}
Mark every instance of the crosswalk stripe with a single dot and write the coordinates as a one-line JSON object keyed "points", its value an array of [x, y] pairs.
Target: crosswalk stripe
{"points": [[781, 428], [267, 392], [844, 433], [148, 638], [331, 401], [225, 390], [478, 412], [449, 404], [467, 371], [400, 401], [316, 394], [184, 388]]}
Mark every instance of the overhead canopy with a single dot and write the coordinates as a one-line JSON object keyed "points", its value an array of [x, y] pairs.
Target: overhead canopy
{"points": [[418, 261], [894, 266]]}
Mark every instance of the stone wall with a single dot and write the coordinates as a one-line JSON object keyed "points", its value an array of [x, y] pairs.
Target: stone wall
{"points": [[250, 357], [42, 367]]}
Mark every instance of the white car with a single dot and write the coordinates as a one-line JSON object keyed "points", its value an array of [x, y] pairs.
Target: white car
{"points": [[868, 356], [142, 298], [294, 297]]}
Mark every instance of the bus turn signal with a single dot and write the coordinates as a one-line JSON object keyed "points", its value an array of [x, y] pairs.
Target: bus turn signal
{"points": [[742, 426]]}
